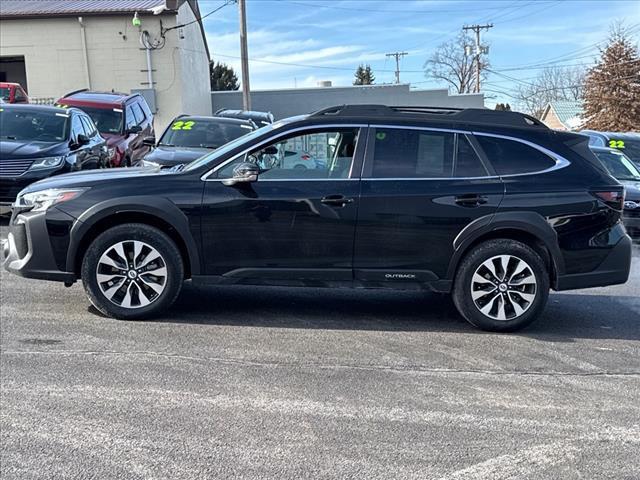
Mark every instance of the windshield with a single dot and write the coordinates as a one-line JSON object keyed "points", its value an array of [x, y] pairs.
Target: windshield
{"points": [[619, 165], [228, 147], [202, 133], [34, 125], [5, 93], [627, 144], [107, 120]]}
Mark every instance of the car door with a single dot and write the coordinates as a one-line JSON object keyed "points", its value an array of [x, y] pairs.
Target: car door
{"points": [[420, 188], [96, 146], [293, 224]]}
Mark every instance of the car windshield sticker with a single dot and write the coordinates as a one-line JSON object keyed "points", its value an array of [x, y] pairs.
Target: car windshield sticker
{"points": [[119, 110], [616, 144], [61, 105], [381, 136], [62, 115], [180, 125]]}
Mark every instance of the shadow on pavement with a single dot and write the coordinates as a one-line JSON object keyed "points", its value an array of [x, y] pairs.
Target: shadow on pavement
{"points": [[567, 316]]}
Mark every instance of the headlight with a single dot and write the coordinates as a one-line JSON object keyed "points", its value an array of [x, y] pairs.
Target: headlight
{"points": [[46, 162], [44, 199]]}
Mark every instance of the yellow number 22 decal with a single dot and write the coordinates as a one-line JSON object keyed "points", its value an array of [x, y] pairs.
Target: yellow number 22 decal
{"points": [[616, 144], [180, 125]]}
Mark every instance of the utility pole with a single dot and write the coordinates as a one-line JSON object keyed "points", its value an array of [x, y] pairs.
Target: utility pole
{"points": [[477, 49], [398, 56], [244, 56]]}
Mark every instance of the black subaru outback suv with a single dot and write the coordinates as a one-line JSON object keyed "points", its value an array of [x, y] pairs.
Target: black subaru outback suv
{"points": [[491, 206]]}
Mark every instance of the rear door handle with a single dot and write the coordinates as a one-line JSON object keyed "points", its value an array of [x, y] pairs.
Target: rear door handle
{"points": [[471, 200], [336, 200]]}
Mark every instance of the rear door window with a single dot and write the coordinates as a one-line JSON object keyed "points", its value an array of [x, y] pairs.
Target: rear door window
{"points": [[408, 153], [510, 157]]}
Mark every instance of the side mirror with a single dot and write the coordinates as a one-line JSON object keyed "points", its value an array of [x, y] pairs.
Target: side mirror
{"points": [[134, 129], [244, 172], [149, 141], [80, 141]]}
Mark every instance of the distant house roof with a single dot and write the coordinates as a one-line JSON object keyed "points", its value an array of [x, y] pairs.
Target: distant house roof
{"points": [[569, 113], [37, 8]]}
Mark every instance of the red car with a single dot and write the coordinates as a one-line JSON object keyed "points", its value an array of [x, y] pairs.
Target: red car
{"points": [[13, 93], [124, 120]]}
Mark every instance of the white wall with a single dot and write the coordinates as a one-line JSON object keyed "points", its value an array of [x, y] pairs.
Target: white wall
{"points": [[194, 65], [55, 64]]}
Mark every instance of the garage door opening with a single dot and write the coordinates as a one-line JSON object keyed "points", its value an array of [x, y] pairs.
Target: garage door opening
{"points": [[12, 69]]}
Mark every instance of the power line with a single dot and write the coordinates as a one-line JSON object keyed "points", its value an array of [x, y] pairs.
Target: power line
{"points": [[228, 2], [374, 10]]}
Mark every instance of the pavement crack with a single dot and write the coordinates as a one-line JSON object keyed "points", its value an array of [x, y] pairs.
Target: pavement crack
{"points": [[387, 368]]}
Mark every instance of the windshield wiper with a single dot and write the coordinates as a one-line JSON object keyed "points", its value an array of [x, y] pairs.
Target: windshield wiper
{"points": [[10, 137], [177, 168], [166, 145]]}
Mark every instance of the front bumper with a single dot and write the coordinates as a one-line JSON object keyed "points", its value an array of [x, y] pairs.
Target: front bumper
{"points": [[28, 250], [614, 270]]}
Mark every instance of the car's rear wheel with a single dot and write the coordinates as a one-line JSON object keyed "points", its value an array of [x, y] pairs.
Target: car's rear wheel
{"points": [[502, 285], [132, 271]]}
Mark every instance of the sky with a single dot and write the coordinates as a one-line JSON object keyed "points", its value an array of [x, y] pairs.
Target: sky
{"points": [[296, 43]]}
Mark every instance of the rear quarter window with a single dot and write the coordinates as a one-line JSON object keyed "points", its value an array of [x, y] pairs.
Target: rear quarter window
{"points": [[510, 157]]}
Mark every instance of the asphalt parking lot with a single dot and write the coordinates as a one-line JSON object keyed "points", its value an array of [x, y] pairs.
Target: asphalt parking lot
{"points": [[243, 382]]}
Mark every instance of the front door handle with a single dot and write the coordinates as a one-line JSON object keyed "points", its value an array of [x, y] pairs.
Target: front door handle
{"points": [[472, 200], [336, 200]]}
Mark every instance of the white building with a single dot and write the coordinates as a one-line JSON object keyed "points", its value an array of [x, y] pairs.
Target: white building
{"points": [[52, 47]]}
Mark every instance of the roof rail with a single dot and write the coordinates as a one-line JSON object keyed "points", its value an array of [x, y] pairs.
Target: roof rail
{"points": [[462, 115]]}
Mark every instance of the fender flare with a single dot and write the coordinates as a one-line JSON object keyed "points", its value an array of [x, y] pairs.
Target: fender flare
{"points": [[527, 222], [151, 205]]}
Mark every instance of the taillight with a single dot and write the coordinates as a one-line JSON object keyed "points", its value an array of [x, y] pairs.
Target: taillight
{"points": [[613, 198], [305, 157]]}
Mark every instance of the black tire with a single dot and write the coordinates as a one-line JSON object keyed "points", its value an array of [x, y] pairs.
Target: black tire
{"points": [[464, 282], [153, 238]]}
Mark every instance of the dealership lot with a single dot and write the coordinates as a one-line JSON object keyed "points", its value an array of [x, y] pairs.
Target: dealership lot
{"points": [[246, 382]]}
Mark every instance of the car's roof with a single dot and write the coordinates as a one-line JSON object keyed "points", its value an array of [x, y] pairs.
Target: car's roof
{"points": [[626, 135], [105, 98], [213, 119], [30, 106]]}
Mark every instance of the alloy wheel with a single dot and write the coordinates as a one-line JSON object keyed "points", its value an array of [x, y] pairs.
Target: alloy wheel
{"points": [[503, 287], [131, 274]]}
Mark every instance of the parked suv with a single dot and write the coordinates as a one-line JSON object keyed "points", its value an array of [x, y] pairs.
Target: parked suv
{"points": [[123, 120], [37, 142], [490, 206]]}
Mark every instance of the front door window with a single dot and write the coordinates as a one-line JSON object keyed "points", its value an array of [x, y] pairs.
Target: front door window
{"points": [[326, 154]]}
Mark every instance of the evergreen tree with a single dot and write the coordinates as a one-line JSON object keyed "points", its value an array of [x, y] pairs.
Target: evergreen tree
{"points": [[222, 77], [612, 87], [364, 75]]}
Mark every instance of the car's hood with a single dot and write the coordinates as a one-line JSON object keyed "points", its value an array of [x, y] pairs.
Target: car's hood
{"points": [[88, 178], [23, 149], [170, 156], [632, 189]]}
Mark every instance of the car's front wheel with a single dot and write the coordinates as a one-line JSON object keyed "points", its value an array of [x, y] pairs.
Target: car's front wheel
{"points": [[501, 286], [132, 271]]}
